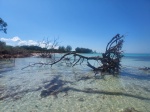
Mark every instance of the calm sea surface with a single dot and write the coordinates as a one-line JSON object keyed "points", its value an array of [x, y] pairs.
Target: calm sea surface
{"points": [[62, 88]]}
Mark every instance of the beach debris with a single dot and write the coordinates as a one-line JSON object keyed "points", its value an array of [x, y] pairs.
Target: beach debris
{"points": [[108, 62]]}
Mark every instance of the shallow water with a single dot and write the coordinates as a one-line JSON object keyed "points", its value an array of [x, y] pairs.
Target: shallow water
{"points": [[77, 89]]}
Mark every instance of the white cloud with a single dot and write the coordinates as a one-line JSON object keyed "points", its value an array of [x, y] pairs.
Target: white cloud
{"points": [[32, 42], [16, 41], [4, 39], [27, 42], [22, 42], [41, 44]]}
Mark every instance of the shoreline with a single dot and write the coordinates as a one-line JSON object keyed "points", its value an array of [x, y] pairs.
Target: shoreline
{"points": [[8, 56]]}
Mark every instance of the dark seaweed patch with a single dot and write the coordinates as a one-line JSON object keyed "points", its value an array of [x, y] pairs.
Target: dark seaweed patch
{"points": [[54, 87]]}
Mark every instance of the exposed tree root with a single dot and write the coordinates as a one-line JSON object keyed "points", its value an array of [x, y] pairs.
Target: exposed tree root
{"points": [[109, 62]]}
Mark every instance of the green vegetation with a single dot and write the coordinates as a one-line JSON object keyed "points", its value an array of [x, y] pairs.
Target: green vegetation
{"points": [[25, 50], [3, 25], [7, 51], [83, 50]]}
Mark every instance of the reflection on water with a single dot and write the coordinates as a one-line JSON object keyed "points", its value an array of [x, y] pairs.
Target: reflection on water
{"points": [[70, 89]]}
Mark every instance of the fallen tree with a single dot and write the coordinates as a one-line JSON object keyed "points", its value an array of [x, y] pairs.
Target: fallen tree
{"points": [[108, 62]]}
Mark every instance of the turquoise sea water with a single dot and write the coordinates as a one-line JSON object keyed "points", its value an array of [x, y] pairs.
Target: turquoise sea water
{"points": [[79, 90]]}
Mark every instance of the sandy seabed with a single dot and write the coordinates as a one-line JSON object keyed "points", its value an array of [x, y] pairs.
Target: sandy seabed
{"points": [[20, 90]]}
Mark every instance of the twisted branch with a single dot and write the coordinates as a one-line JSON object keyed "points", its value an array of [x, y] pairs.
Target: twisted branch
{"points": [[109, 62]]}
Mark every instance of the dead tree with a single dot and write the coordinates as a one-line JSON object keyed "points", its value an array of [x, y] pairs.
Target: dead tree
{"points": [[49, 48], [109, 62]]}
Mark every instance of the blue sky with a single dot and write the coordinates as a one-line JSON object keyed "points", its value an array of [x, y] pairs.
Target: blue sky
{"points": [[79, 23]]}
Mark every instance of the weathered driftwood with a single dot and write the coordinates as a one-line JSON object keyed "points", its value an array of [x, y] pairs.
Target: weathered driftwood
{"points": [[109, 62]]}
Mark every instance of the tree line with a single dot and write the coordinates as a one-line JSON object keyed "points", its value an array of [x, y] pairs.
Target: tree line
{"points": [[7, 49]]}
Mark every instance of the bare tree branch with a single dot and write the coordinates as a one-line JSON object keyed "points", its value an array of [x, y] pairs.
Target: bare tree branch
{"points": [[49, 47], [109, 62]]}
